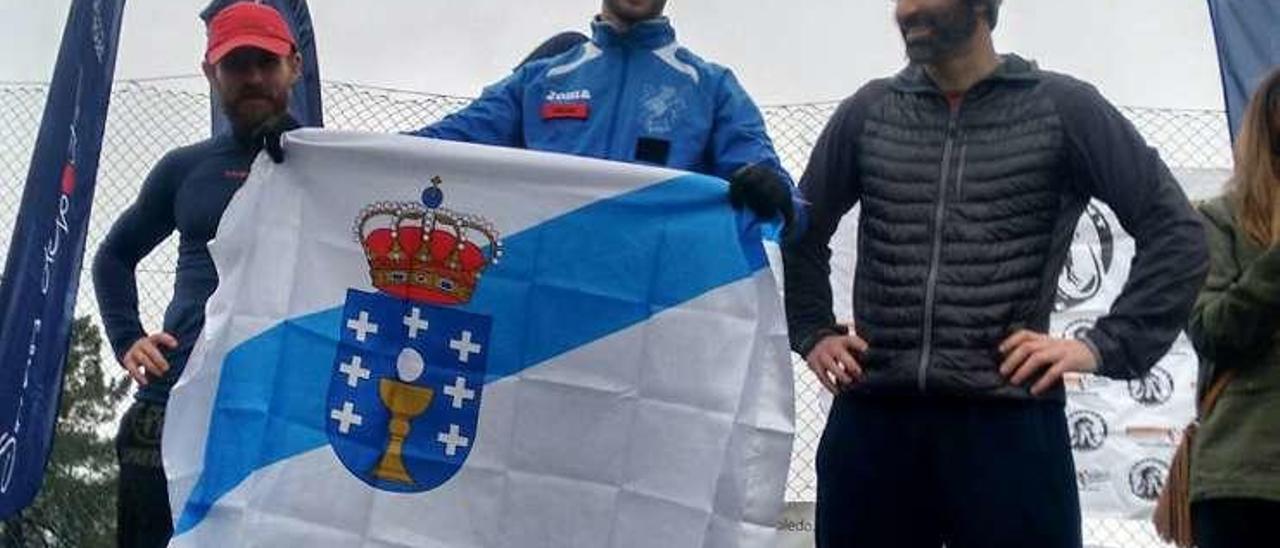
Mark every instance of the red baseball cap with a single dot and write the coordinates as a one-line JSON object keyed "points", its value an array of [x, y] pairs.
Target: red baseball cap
{"points": [[247, 24]]}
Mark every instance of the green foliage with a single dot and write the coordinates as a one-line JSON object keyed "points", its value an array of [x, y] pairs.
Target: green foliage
{"points": [[76, 504]]}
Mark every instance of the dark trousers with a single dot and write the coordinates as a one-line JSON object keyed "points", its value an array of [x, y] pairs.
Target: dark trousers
{"points": [[1234, 523], [142, 496], [918, 472]]}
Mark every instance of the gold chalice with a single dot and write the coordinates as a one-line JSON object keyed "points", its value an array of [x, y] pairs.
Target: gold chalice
{"points": [[405, 402]]}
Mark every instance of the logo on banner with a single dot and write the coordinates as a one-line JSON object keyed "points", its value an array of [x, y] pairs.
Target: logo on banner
{"points": [[98, 30], [61, 227], [1092, 480], [1154, 436], [59, 231], [404, 398], [1146, 478], [1154, 389], [1088, 430], [1083, 384], [1077, 328], [1088, 263]]}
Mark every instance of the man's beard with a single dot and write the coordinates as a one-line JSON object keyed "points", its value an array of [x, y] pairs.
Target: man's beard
{"points": [[247, 112], [631, 17], [951, 30]]}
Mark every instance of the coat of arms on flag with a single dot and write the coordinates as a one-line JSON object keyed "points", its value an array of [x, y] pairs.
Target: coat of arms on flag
{"points": [[404, 400]]}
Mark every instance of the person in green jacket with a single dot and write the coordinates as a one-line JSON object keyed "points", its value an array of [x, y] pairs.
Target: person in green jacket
{"points": [[1235, 325]]}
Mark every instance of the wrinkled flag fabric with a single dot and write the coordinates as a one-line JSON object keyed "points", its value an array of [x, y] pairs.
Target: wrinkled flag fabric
{"points": [[423, 343]]}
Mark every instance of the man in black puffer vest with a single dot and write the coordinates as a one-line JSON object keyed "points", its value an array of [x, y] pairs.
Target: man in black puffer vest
{"points": [[972, 170]]}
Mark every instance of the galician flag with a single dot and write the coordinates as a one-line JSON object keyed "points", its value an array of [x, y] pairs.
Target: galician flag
{"points": [[427, 344]]}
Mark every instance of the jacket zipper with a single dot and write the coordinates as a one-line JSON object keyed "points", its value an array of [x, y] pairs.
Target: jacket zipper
{"points": [[964, 155], [617, 104], [939, 213]]}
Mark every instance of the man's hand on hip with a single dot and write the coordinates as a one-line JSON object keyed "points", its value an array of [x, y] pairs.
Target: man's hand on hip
{"points": [[146, 357], [1028, 354], [834, 361]]}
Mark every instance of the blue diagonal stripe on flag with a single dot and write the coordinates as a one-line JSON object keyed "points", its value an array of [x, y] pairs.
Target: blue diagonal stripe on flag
{"points": [[560, 285]]}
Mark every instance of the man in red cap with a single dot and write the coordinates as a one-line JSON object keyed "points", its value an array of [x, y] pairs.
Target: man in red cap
{"points": [[252, 62]]}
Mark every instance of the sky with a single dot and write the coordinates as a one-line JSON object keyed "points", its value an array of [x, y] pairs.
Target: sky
{"points": [[1150, 53]]}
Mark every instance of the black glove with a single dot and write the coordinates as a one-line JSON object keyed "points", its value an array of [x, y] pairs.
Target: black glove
{"points": [[763, 190], [267, 137]]}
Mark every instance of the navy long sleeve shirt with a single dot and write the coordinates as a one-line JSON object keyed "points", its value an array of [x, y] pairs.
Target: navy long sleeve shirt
{"points": [[187, 191]]}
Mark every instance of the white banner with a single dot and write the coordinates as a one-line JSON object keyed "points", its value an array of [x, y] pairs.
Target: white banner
{"points": [[419, 343]]}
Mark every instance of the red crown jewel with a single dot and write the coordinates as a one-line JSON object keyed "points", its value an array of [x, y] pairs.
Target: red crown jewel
{"points": [[422, 252]]}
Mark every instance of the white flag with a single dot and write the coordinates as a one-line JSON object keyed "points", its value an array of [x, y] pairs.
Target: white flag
{"points": [[421, 343]]}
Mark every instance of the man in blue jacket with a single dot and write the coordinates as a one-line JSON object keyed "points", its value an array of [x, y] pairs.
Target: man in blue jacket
{"points": [[633, 94]]}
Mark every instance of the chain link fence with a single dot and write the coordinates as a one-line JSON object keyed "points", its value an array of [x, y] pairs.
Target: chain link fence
{"points": [[148, 118]]}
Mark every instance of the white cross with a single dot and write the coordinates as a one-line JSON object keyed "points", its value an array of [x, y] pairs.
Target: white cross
{"points": [[346, 418], [452, 440], [362, 326], [354, 372], [459, 392], [415, 322], [465, 347]]}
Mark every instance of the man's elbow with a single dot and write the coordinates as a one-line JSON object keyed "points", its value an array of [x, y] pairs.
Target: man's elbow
{"points": [[101, 265], [109, 264], [1178, 238], [1199, 251]]}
